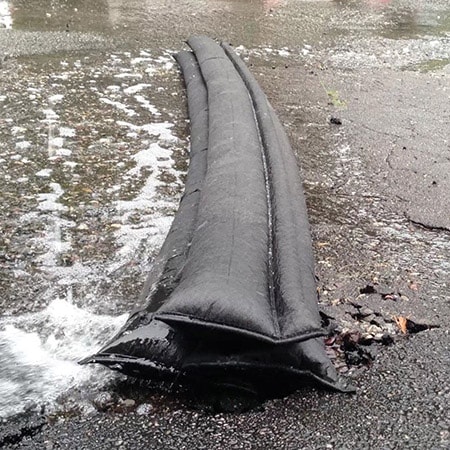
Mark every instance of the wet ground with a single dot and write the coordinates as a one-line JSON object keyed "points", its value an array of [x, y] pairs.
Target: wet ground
{"points": [[93, 152]]}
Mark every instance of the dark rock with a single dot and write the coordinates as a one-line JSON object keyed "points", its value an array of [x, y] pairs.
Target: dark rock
{"points": [[368, 289], [335, 121], [387, 339]]}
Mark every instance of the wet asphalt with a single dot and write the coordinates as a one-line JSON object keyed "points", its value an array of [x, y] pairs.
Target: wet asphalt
{"points": [[363, 89]]}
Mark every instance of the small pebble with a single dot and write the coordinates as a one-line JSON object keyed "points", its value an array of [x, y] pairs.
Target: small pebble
{"points": [[128, 403], [366, 311], [335, 121], [373, 329]]}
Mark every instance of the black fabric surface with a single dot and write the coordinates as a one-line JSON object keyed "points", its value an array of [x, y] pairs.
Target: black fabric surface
{"points": [[231, 299]]}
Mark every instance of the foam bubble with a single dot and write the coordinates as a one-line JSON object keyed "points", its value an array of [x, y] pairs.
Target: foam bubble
{"points": [[39, 353]]}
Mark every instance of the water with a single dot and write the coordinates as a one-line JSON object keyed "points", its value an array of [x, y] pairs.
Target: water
{"points": [[96, 207], [39, 353], [5, 15]]}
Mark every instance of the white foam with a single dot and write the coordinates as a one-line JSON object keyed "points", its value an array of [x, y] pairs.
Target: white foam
{"points": [[39, 353], [67, 132], [56, 98], [113, 88], [63, 152], [135, 61], [128, 75], [44, 173], [159, 129], [23, 145], [57, 142], [49, 201], [61, 76], [155, 156], [151, 232], [120, 106], [147, 105], [152, 226], [284, 52], [136, 88], [50, 115], [17, 130], [5, 15]]}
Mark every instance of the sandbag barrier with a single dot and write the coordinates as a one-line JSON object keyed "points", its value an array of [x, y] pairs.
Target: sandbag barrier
{"points": [[231, 299]]}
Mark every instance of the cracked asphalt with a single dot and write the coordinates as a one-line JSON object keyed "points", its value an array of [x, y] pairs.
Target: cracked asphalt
{"points": [[363, 89]]}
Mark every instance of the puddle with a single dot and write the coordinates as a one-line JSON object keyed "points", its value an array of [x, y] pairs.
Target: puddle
{"points": [[418, 20], [358, 33], [433, 65]]}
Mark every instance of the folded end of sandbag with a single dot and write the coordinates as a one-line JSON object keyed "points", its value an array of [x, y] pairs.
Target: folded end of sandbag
{"points": [[232, 371]]}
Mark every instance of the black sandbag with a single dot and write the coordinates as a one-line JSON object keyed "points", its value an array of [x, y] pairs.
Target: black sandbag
{"points": [[231, 299]]}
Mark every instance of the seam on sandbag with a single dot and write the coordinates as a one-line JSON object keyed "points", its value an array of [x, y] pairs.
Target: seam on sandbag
{"points": [[264, 116], [273, 306], [182, 318], [270, 218]]}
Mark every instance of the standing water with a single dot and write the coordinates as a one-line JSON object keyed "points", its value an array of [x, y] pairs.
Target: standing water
{"points": [[92, 181]]}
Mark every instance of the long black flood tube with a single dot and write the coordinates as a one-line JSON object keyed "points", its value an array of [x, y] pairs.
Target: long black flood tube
{"points": [[231, 299]]}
